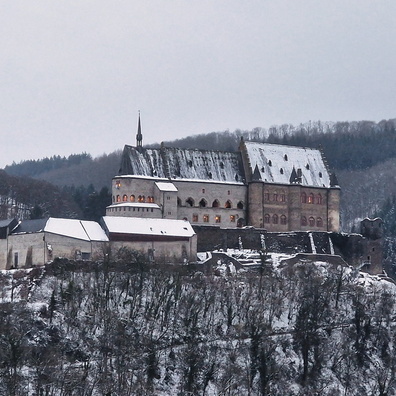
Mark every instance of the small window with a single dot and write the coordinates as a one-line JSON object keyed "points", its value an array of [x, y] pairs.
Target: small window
{"points": [[228, 204], [118, 184], [16, 259], [118, 198], [215, 204], [275, 219], [113, 198], [185, 218], [189, 202], [206, 218], [303, 221], [132, 198], [190, 164], [169, 213], [311, 222], [319, 222], [203, 191], [303, 198], [202, 203], [222, 165], [311, 198], [319, 199], [218, 219], [267, 196], [267, 218], [124, 198], [85, 255], [275, 196], [229, 192], [232, 219], [320, 174], [307, 166], [240, 205], [283, 197], [195, 218], [285, 157], [283, 220], [270, 163], [281, 171]]}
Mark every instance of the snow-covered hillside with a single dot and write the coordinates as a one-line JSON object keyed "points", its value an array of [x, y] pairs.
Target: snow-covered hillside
{"points": [[126, 328]]}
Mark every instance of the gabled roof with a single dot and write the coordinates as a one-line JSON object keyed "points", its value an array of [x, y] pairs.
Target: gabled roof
{"points": [[275, 164], [180, 164], [29, 226], [148, 227], [78, 229]]}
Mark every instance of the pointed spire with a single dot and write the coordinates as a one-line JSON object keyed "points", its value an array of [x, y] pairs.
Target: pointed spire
{"points": [[139, 136], [256, 174], [293, 177]]}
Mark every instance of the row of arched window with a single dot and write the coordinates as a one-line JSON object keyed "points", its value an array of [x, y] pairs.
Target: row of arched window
{"points": [[203, 203], [311, 198], [311, 221], [282, 219], [133, 198], [275, 219]]}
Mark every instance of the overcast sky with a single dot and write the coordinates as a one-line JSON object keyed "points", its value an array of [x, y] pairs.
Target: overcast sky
{"points": [[73, 74]]}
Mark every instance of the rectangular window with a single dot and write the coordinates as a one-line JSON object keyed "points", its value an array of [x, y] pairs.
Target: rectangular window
{"points": [[203, 191], [267, 197], [85, 255], [232, 219], [16, 260], [195, 218], [168, 198], [229, 192], [169, 213], [218, 219], [206, 218]]}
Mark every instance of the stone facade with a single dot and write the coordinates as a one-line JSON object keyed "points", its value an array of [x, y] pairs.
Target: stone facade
{"points": [[279, 188]]}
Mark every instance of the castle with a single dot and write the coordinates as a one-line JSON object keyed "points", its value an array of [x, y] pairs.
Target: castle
{"points": [[279, 188]]}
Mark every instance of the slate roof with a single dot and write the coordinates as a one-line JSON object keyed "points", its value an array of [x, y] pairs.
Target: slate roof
{"points": [[275, 164], [180, 164], [271, 163]]}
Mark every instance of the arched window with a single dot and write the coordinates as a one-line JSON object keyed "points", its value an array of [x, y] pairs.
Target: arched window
{"points": [[240, 205], [195, 218], [203, 204], [275, 219], [283, 220], [228, 204], [189, 202], [303, 197], [319, 222], [311, 222], [124, 198], [267, 196], [151, 199], [311, 198], [319, 199], [118, 198], [206, 218], [215, 204], [141, 198], [267, 218], [132, 198], [275, 196], [283, 197], [303, 221]]}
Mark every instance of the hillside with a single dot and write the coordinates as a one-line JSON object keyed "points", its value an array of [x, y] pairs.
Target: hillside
{"points": [[42, 197], [123, 327]]}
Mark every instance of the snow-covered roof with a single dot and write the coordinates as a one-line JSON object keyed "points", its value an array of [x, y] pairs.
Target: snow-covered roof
{"points": [[144, 226], [275, 163], [176, 163], [166, 186], [78, 229]]}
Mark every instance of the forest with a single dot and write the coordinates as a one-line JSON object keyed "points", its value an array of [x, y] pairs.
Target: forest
{"points": [[123, 327]]}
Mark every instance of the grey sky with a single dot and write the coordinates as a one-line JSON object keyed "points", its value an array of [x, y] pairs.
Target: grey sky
{"points": [[73, 74]]}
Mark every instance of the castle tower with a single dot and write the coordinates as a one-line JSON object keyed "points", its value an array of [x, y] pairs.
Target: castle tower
{"points": [[139, 136]]}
